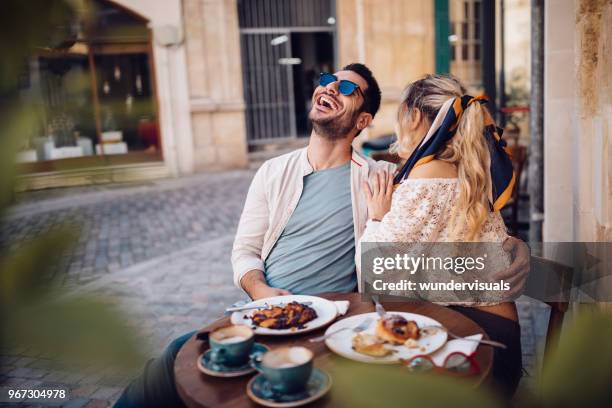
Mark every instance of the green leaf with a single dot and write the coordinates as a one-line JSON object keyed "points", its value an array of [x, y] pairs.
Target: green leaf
{"points": [[368, 385], [77, 331], [27, 273], [579, 371]]}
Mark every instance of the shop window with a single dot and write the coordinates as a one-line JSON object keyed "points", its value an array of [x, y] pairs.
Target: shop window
{"points": [[95, 95]]}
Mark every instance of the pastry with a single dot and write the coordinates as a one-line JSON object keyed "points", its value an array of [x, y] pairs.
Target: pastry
{"points": [[371, 345], [395, 329]]}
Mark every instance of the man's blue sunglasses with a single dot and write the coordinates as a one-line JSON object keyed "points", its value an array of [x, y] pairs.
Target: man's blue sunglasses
{"points": [[345, 87]]}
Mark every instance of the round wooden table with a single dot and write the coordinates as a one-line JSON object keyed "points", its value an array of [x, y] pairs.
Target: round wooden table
{"points": [[200, 390]]}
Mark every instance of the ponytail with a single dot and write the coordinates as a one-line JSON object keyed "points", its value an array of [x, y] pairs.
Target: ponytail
{"points": [[444, 103], [469, 151]]}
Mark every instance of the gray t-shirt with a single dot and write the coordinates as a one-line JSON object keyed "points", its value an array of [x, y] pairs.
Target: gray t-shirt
{"points": [[316, 251]]}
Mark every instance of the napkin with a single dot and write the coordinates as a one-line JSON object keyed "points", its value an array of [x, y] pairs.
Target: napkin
{"points": [[464, 346], [342, 306]]}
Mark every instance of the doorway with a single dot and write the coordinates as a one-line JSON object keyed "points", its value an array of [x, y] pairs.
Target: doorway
{"points": [[285, 44]]}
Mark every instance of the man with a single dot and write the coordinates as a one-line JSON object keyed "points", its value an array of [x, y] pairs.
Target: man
{"points": [[303, 215], [305, 210]]}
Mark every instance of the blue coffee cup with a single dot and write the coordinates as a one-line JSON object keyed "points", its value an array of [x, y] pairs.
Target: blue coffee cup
{"points": [[287, 369], [231, 345]]}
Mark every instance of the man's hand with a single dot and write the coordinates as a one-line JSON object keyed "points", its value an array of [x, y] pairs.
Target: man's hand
{"points": [[264, 291], [254, 283], [516, 274], [379, 197]]}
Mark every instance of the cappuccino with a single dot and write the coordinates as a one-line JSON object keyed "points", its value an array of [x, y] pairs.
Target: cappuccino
{"points": [[287, 357], [232, 339]]}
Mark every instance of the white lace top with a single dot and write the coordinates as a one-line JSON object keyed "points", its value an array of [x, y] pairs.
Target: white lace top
{"points": [[420, 213]]}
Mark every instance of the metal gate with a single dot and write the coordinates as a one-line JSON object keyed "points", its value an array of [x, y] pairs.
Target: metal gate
{"points": [[268, 88], [267, 61]]}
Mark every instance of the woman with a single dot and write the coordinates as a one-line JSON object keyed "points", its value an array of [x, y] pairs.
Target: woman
{"points": [[456, 178]]}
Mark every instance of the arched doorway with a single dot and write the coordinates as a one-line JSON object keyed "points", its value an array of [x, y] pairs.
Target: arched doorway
{"points": [[96, 94]]}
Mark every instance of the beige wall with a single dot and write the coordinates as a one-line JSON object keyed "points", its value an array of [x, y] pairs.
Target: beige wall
{"points": [[578, 119], [215, 84], [517, 50], [395, 38], [169, 58]]}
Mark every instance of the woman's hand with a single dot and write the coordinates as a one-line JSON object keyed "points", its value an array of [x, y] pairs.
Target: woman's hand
{"points": [[379, 196]]}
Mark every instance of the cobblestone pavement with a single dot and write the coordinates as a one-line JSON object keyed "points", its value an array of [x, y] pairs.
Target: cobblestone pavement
{"points": [[162, 251], [123, 226]]}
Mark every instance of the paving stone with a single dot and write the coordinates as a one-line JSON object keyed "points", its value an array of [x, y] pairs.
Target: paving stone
{"points": [[76, 403], [72, 377], [24, 361], [6, 368], [56, 376], [106, 393], [7, 360], [84, 391], [44, 364], [28, 383], [91, 379], [25, 372], [13, 381], [97, 404]]}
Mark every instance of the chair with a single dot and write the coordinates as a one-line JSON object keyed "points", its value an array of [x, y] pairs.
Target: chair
{"points": [[541, 268]]}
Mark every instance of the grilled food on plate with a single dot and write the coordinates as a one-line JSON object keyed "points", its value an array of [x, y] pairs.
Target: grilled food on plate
{"points": [[395, 329], [291, 315]]}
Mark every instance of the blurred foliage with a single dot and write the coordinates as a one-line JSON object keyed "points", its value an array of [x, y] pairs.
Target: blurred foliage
{"points": [[579, 372], [360, 385], [36, 311], [27, 26]]}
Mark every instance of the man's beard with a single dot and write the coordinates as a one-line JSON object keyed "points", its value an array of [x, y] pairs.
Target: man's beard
{"points": [[334, 128]]}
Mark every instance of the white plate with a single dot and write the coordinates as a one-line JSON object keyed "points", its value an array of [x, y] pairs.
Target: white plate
{"points": [[326, 312], [341, 343]]}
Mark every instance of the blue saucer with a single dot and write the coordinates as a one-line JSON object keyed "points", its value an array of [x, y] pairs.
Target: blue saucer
{"points": [[260, 391], [206, 366]]}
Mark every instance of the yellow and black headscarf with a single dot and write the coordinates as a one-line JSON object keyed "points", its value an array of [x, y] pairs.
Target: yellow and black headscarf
{"points": [[444, 128]]}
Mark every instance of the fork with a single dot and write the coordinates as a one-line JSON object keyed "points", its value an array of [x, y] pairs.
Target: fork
{"points": [[454, 336], [359, 328]]}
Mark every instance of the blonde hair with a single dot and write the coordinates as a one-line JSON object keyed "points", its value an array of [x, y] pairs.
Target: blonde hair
{"points": [[467, 150]]}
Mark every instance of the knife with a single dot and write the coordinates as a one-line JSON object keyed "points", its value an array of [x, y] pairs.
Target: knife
{"points": [[264, 306], [379, 308]]}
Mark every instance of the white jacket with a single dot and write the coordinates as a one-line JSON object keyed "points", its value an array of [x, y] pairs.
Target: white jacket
{"points": [[273, 195]]}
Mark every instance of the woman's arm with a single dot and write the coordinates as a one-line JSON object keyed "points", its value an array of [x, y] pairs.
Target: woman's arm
{"points": [[416, 211]]}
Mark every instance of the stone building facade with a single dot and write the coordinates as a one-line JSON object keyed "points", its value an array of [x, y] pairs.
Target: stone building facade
{"points": [[197, 69], [577, 121]]}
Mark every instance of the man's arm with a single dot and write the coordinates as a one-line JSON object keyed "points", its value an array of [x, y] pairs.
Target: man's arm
{"points": [[254, 283], [516, 274], [246, 253]]}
